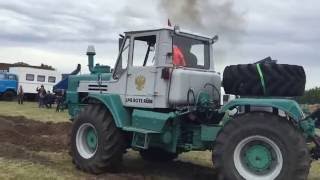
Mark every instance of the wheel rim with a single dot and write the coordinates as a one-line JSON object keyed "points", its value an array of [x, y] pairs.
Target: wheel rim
{"points": [[259, 158], [87, 140]]}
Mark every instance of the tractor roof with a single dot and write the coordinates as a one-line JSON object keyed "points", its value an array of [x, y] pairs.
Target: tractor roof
{"points": [[197, 35]]}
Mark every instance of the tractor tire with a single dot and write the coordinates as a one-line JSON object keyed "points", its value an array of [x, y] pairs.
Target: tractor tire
{"points": [[8, 95], [97, 145], [279, 79], [261, 146], [157, 155]]}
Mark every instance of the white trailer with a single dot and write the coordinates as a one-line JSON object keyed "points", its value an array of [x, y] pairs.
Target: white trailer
{"points": [[30, 78]]}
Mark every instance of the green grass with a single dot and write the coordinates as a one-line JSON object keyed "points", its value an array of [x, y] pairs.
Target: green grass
{"points": [[59, 166], [31, 111]]}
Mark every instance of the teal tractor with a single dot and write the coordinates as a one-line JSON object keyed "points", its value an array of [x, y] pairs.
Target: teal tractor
{"points": [[152, 103]]}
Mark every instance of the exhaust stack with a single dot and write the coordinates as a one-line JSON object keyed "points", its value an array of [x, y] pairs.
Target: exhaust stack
{"points": [[91, 53]]}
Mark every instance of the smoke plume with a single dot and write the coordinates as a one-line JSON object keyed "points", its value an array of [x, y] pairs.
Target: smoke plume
{"points": [[209, 17]]}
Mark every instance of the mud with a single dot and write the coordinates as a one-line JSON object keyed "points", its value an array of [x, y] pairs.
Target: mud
{"points": [[33, 135], [23, 139]]}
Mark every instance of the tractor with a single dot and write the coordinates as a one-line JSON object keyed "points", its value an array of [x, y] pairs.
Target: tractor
{"points": [[149, 104]]}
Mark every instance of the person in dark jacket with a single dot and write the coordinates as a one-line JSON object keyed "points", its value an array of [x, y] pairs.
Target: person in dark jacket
{"points": [[60, 100], [20, 95], [49, 99], [41, 95]]}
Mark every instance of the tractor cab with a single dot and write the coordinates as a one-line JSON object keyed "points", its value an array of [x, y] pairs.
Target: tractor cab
{"points": [[146, 74]]}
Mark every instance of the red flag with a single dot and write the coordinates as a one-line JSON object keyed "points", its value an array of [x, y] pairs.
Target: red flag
{"points": [[169, 23]]}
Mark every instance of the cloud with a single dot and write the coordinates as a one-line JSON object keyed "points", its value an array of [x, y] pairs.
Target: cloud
{"points": [[59, 31]]}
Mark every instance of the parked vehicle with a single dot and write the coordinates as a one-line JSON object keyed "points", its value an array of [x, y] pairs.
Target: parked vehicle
{"points": [[32, 78], [8, 85], [63, 84]]}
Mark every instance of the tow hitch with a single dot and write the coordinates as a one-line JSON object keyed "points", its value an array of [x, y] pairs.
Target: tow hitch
{"points": [[309, 126]]}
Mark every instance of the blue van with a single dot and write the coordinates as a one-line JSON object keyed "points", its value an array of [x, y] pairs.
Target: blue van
{"points": [[8, 86]]}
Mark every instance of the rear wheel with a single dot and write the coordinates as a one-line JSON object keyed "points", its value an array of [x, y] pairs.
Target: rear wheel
{"points": [[274, 80], [97, 145], [157, 155], [261, 146], [8, 95]]}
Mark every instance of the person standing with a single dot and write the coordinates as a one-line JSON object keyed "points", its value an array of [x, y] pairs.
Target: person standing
{"points": [[60, 101], [20, 95], [41, 96]]}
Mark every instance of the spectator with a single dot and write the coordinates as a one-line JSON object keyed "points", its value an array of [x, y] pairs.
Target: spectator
{"points": [[60, 101], [49, 100], [41, 96], [20, 95]]}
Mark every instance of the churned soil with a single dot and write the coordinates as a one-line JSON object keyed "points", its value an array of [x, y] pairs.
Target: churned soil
{"points": [[34, 141], [33, 135]]}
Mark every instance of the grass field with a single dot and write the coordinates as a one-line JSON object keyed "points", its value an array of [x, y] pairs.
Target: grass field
{"points": [[22, 161]]}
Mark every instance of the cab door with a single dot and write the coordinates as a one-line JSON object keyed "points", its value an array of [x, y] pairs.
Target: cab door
{"points": [[142, 72]]}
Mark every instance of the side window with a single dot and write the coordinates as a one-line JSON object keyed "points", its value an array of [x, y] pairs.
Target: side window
{"points": [[144, 50], [198, 51], [30, 77], [191, 52], [122, 62], [51, 79], [12, 77], [41, 78], [2, 76]]}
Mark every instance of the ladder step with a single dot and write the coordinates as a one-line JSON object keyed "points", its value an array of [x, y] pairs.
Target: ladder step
{"points": [[139, 130]]}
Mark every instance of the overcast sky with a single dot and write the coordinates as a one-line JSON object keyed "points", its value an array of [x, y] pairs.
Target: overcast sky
{"points": [[57, 32]]}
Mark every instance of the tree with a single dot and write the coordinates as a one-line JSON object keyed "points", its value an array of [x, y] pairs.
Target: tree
{"points": [[311, 96]]}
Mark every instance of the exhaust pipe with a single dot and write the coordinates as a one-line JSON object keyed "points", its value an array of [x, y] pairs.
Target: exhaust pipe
{"points": [[91, 53]]}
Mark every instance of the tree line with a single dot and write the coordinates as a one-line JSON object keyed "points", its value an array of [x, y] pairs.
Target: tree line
{"points": [[311, 96]]}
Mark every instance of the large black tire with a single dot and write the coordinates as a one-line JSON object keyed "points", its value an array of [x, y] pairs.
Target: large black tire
{"points": [[157, 155], [264, 127], [104, 155], [9, 95], [280, 80]]}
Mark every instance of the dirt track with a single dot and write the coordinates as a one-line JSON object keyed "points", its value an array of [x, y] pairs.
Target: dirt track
{"points": [[22, 139], [34, 135]]}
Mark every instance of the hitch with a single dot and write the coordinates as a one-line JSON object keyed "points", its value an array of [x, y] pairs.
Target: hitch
{"points": [[308, 125], [315, 116], [315, 151]]}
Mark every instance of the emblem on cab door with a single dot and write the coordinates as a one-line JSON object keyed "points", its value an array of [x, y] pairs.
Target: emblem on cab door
{"points": [[140, 81]]}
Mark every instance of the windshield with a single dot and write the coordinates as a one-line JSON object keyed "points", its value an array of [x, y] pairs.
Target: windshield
{"points": [[2, 76], [190, 52]]}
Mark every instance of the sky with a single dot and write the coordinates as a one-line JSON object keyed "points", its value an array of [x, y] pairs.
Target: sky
{"points": [[58, 32]]}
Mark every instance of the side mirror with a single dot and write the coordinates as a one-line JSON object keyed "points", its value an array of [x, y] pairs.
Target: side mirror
{"points": [[152, 48], [214, 39]]}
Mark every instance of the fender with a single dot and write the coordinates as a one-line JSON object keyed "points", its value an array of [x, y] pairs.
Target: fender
{"points": [[290, 107], [113, 103]]}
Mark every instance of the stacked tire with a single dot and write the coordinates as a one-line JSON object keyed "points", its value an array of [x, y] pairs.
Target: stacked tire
{"points": [[272, 80]]}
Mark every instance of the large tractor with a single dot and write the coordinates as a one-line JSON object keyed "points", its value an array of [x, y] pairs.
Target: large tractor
{"points": [[154, 105]]}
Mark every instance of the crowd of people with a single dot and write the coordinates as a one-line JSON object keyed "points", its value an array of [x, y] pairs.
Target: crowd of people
{"points": [[46, 99]]}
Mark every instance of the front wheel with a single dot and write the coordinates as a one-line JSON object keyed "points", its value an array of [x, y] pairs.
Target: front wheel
{"points": [[261, 146], [97, 145], [8, 95]]}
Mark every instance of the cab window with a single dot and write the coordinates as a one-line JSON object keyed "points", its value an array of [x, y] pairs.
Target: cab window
{"points": [[193, 53], [122, 62], [12, 77], [144, 50]]}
